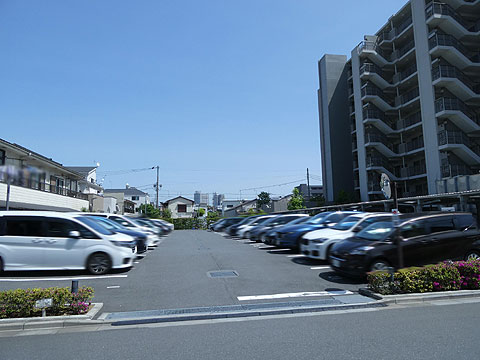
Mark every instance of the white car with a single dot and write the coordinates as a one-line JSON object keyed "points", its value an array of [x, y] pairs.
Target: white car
{"points": [[243, 230], [317, 244], [152, 237], [43, 240]]}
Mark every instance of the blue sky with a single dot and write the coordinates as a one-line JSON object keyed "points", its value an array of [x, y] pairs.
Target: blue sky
{"points": [[221, 94]]}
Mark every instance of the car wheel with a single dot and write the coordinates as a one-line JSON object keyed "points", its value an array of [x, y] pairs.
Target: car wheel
{"points": [[379, 265], [472, 255], [99, 264]]}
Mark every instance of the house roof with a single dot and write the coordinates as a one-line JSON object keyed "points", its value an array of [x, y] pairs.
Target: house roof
{"points": [[37, 156], [131, 191], [243, 204], [179, 197], [84, 170]]}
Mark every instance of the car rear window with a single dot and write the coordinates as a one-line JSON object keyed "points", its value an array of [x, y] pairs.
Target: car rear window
{"points": [[464, 222]]}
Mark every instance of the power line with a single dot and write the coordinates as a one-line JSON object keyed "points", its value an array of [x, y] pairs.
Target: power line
{"points": [[268, 186]]}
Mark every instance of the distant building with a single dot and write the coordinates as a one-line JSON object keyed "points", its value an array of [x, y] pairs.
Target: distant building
{"points": [[196, 197], [130, 193], [200, 198], [315, 190], [241, 208], [217, 201]]}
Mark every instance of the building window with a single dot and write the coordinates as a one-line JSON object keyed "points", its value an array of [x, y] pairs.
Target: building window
{"points": [[2, 157], [135, 198], [181, 208]]}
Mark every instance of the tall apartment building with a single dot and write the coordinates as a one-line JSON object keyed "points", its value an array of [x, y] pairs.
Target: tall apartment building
{"points": [[407, 101]]}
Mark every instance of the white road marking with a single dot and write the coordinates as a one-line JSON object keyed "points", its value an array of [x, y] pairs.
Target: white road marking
{"points": [[136, 262], [62, 278], [295, 256], [320, 267], [275, 250], [113, 287], [265, 247], [294, 295]]}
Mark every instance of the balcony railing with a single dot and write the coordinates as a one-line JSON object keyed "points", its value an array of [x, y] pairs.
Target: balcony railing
{"points": [[371, 46], [445, 104], [414, 170], [448, 71], [371, 68], [371, 90], [456, 137], [451, 170], [414, 144], [374, 186], [411, 120], [445, 9], [46, 187], [448, 40], [405, 49], [409, 96], [399, 29]]}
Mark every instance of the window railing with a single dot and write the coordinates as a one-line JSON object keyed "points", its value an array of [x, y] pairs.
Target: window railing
{"points": [[46, 187]]}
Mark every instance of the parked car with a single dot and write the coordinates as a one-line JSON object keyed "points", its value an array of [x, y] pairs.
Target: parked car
{"points": [[42, 240], [425, 239], [226, 223], [259, 232], [290, 236], [244, 231], [169, 226], [159, 229], [317, 244], [271, 235], [152, 237], [140, 238], [232, 230]]}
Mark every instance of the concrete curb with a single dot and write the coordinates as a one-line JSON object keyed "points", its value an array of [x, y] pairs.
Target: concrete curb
{"points": [[52, 322], [420, 297], [239, 314]]}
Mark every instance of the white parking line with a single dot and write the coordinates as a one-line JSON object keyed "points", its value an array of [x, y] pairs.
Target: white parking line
{"points": [[320, 267], [113, 287], [266, 247], [62, 278], [295, 256], [294, 295], [275, 250]]}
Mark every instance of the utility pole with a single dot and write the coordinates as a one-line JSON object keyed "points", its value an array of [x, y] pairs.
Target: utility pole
{"points": [[156, 187], [308, 184]]}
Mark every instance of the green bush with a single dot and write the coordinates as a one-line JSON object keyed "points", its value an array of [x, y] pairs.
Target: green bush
{"points": [[189, 223], [446, 276], [21, 302]]}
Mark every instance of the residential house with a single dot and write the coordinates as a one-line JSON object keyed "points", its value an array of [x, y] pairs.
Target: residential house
{"points": [[37, 182], [240, 209], [180, 207], [129, 193], [88, 185]]}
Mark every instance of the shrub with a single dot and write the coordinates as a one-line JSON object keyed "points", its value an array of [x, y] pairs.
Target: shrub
{"points": [[21, 302], [189, 223], [445, 276]]}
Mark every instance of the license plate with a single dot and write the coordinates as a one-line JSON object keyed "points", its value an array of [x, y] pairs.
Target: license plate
{"points": [[336, 262]]}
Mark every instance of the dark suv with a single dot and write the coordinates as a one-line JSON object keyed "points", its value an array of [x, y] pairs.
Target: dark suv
{"points": [[425, 239]]}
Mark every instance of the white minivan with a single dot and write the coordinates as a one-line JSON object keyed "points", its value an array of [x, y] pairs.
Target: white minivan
{"points": [[43, 240]]}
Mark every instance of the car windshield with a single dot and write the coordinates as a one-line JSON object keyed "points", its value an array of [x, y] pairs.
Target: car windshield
{"points": [[260, 221], [347, 223], [140, 222], [94, 225], [317, 219], [377, 231], [109, 224], [300, 220]]}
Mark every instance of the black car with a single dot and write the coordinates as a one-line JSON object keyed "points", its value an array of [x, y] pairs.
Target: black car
{"points": [[220, 226], [232, 229], [425, 239]]}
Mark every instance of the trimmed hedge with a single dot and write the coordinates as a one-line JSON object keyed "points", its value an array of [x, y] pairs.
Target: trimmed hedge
{"points": [[446, 276], [189, 223], [21, 302]]}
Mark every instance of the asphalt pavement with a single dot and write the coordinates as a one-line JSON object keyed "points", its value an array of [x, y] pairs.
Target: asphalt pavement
{"points": [[181, 273], [426, 332]]}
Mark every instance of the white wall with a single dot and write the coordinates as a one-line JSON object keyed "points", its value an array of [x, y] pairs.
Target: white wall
{"points": [[172, 206], [31, 196]]}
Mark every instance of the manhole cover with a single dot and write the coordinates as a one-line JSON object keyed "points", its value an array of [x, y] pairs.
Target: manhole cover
{"points": [[222, 274]]}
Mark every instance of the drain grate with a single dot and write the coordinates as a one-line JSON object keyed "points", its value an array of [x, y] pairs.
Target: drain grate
{"points": [[222, 274]]}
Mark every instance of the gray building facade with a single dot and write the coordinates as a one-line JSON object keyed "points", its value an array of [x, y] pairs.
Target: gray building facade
{"points": [[413, 100]]}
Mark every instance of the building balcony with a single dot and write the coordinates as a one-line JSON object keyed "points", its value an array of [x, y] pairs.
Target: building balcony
{"points": [[370, 50], [42, 196], [409, 121], [373, 73], [410, 172], [374, 187], [405, 74], [371, 93], [457, 112], [459, 144], [381, 144], [377, 118], [456, 82], [407, 98], [445, 17], [451, 170], [452, 50]]}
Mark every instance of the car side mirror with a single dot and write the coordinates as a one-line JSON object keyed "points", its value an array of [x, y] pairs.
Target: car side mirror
{"points": [[74, 234]]}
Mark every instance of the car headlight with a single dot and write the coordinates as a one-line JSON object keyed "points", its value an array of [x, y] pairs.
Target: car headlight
{"points": [[319, 241], [361, 250], [127, 244]]}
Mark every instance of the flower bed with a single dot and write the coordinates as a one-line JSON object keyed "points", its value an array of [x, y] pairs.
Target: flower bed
{"points": [[21, 302], [446, 276]]}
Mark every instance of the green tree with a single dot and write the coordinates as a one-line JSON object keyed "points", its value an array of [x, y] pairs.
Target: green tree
{"points": [[166, 214], [263, 199], [296, 202], [212, 216], [201, 212], [152, 212], [343, 197], [319, 200]]}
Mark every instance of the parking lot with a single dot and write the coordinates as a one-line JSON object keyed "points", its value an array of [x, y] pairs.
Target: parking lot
{"points": [[192, 268]]}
